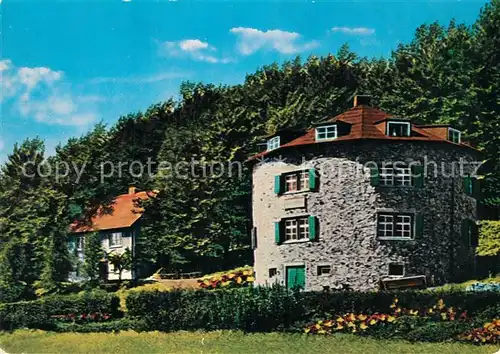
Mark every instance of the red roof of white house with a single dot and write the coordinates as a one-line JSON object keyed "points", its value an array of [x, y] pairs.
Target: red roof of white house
{"points": [[122, 212], [365, 122]]}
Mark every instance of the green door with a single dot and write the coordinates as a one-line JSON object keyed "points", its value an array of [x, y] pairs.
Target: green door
{"points": [[296, 277]]}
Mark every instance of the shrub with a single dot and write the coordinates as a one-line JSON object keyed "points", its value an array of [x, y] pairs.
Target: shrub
{"points": [[248, 309], [277, 308], [46, 312], [489, 238]]}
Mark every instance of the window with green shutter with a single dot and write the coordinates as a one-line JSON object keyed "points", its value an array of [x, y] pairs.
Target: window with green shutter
{"points": [[299, 228]]}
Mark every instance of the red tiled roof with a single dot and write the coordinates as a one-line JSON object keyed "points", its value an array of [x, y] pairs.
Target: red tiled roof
{"points": [[365, 124], [123, 212]]}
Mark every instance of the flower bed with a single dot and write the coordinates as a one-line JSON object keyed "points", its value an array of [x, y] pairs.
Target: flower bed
{"points": [[234, 279], [488, 334]]}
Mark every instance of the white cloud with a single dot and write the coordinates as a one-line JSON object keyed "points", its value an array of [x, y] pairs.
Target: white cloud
{"points": [[192, 45], [41, 94], [252, 40], [162, 76], [192, 48], [360, 31]]}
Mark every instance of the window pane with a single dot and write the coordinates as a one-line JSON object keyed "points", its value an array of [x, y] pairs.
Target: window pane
{"points": [[303, 228], [291, 183], [396, 269]]}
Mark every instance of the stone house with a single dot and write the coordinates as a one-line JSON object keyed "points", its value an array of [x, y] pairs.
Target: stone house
{"points": [[364, 198], [118, 226]]}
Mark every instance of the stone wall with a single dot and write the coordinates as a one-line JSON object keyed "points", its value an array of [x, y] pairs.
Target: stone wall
{"points": [[346, 206]]}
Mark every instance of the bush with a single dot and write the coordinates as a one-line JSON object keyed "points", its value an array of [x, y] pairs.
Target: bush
{"points": [[489, 238], [46, 312], [277, 308], [248, 309]]}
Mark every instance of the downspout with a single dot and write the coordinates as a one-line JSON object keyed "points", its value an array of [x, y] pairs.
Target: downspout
{"points": [[451, 248]]}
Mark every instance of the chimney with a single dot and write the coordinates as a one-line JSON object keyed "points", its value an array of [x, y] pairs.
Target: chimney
{"points": [[362, 100], [131, 190]]}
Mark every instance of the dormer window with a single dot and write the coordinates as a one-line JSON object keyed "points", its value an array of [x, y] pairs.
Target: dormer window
{"points": [[454, 135], [273, 143], [326, 132], [398, 128]]}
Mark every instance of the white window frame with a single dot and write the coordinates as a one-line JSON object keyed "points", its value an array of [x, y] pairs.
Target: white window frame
{"points": [[299, 179], [330, 132], [407, 124], [454, 131], [395, 226], [273, 143], [115, 239], [397, 264], [397, 175], [80, 243], [297, 229]]}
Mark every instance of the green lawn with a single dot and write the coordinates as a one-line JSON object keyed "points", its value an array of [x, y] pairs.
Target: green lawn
{"points": [[25, 341]]}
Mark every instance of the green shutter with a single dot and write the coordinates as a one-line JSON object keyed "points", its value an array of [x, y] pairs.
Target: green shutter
{"points": [[419, 225], [278, 184], [467, 182], [374, 176], [277, 232], [417, 172], [313, 179], [476, 188], [474, 234], [464, 231], [313, 233]]}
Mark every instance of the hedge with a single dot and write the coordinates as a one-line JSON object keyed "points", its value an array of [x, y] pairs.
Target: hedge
{"points": [[46, 312], [279, 309]]}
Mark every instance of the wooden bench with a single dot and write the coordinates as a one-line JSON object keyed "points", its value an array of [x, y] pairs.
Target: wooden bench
{"points": [[415, 282]]}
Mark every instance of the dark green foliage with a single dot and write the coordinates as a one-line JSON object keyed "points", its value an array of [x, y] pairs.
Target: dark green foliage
{"points": [[93, 253], [277, 309], [37, 314]]}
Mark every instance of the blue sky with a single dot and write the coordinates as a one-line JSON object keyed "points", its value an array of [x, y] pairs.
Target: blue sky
{"points": [[66, 65]]}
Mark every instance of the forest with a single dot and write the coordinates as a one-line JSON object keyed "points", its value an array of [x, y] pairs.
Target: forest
{"points": [[446, 74]]}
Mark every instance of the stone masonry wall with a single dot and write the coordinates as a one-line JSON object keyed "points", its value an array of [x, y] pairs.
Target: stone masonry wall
{"points": [[346, 206]]}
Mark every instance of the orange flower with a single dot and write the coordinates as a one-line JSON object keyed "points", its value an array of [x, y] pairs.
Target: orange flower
{"points": [[362, 317], [340, 319], [363, 326]]}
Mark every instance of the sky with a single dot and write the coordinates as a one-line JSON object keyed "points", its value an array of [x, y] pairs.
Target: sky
{"points": [[67, 65]]}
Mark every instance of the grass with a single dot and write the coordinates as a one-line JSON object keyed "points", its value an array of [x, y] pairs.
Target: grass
{"points": [[26, 341]]}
